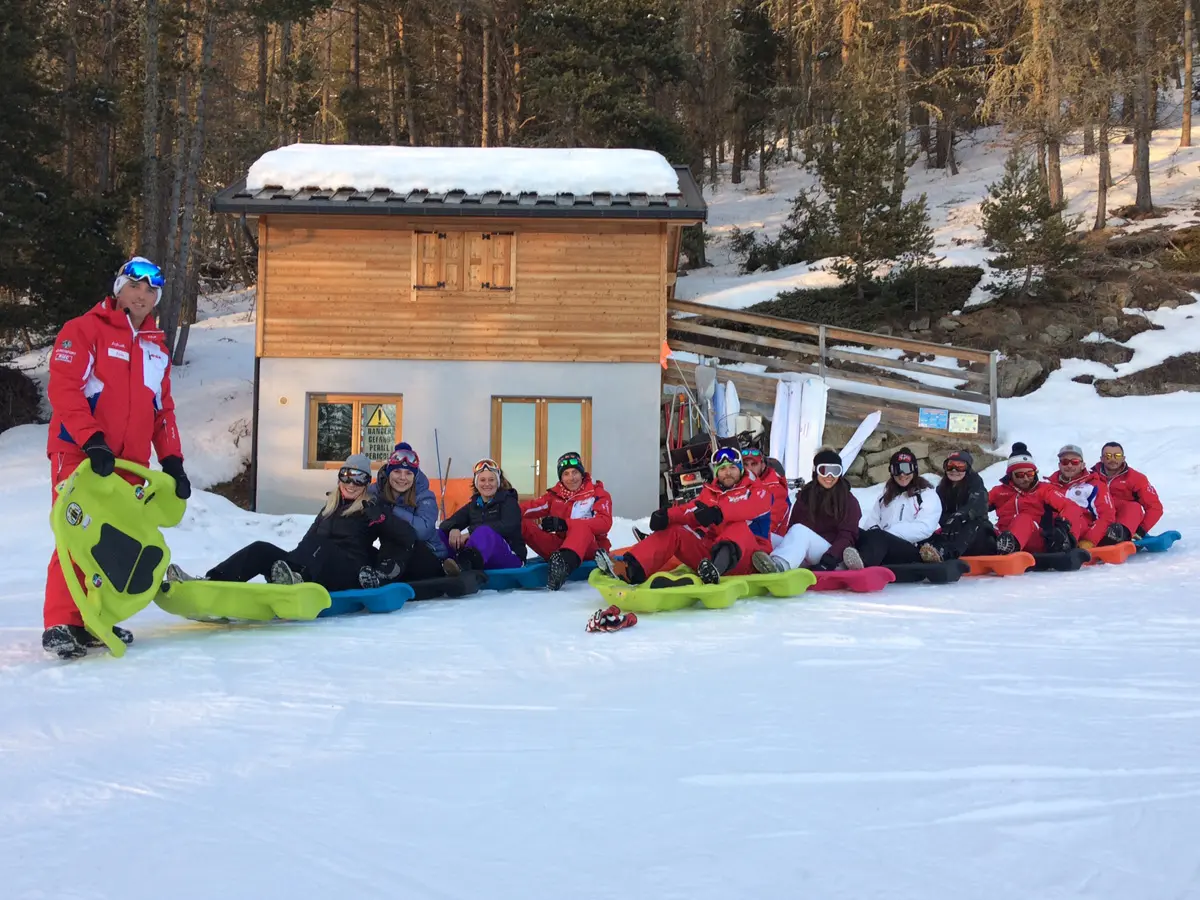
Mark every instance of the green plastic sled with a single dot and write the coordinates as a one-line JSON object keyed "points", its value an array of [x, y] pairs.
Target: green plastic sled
{"points": [[227, 601], [681, 588], [109, 528]]}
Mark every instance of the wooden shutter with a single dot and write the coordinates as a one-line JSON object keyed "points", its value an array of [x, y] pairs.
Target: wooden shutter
{"points": [[452, 260], [427, 260], [490, 264]]}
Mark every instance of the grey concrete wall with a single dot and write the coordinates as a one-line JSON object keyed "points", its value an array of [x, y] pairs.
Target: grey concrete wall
{"points": [[456, 398]]}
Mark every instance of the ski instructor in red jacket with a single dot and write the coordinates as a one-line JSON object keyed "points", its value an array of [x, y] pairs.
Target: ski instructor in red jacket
{"points": [[110, 395], [568, 523]]}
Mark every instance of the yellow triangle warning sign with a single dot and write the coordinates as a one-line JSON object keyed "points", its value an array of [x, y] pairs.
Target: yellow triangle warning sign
{"points": [[379, 419]]}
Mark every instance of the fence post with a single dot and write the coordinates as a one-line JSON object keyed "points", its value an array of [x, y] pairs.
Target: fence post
{"points": [[821, 349], [993, 390]]}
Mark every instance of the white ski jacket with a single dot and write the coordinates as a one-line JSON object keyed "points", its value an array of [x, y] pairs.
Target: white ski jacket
{"points": [[911, 519]]}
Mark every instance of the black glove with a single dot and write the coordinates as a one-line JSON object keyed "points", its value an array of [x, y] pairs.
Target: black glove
{"points": [[1140, 533], [1058, 537], [828, 563], [103, 460], [173, 466], [553, 524], [659, 520], [708, 515]]}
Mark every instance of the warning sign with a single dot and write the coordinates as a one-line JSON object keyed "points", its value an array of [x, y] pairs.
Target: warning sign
{"points": [[379, 430]]}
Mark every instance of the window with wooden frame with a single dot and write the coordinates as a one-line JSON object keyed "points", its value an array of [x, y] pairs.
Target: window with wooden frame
{"points": [[340, 425], [463, 261], [529, 434]]}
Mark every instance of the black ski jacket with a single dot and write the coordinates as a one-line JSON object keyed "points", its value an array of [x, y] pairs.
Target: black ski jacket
{"points": [[502, 515], [964, 502], [348, 538]]}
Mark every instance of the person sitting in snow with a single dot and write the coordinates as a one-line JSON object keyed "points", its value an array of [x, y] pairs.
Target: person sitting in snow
{"points": [[110, 398], [336, 546], [1093, 523], [1135, 501], [401, 485], [905, 515], [711, 534], [568, 523], [1031, 515], [964, 528], [485, 533], [823, 523], [759, 467]]}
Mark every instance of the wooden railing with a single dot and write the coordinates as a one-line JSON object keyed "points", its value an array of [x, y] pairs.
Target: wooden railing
{"points": [[836, 354]]}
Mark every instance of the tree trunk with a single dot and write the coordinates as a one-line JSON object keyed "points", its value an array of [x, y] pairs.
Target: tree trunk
{"points": [[1185, 138], [849, 22], [149, 236], [285, 84], [393, 108], [1104, 178], [406, 72], [71, 79], [515, 123], [108, 89], [261, 94], [902, 64], [170, 239], [1142, 124], [1089, 139], [327, 84], [1054, 184], [460, 77], [485, 85], [355, 46]]}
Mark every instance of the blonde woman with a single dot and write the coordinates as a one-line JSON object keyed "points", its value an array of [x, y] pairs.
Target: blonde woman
{"points": [[493, 518], [338, 543]]}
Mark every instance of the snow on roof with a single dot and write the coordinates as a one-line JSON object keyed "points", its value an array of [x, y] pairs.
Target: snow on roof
{"points": [[475, 170]]}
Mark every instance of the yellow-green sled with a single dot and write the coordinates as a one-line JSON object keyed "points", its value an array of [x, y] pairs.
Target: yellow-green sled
{"points": [[681, 588]]}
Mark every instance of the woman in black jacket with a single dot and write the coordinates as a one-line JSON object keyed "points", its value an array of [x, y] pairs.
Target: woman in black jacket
{"points": [[493, 518], [965, 528], [338, 543]]}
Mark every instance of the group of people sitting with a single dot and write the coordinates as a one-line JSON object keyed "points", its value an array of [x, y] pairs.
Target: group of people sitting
{"points": [[740, 523], [397, 509]]}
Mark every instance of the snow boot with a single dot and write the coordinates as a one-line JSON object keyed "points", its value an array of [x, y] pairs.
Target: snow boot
{"points": [[852, 560], [64, 641], [469, 558], [388, 571], [765, 563], [281, 573], [1006, 543], [124, 635], [176, 574], [724, 557], [1058, 537], [930, 553], [1116, 534], [561, 563], [639, 535], [611, 619]]}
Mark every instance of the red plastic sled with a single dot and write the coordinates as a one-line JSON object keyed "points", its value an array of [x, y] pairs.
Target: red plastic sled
{"points": [[860, 581], [1008, 564], [1114, 555]]}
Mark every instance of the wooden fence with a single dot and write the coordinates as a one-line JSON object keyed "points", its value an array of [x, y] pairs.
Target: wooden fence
{"points": [[860, 382]]}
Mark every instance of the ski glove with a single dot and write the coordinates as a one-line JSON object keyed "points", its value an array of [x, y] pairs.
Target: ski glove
{"points": [[101, 455], [828, 563], [553, 524], [659, 520], [173, 466], [708, 515], [1141, 533]]}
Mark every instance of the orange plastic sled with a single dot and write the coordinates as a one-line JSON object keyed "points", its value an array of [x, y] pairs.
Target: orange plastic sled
{"points": [[1008, 564], [1114, 555]]}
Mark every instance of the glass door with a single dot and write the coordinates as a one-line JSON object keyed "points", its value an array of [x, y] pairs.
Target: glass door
{"points": [[530, 433], [516, 450]]}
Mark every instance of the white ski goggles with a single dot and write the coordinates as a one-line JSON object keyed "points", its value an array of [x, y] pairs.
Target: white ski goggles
{"points": [[829, 470]]}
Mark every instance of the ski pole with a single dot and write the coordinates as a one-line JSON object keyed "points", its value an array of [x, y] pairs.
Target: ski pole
{"points": [[438, 450]]}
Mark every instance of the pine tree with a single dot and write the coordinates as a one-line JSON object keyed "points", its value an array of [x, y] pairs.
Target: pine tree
{"points": [[1023, 226]]}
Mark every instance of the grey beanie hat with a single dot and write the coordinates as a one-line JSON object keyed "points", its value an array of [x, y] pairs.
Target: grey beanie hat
{"points": [[359, 461]]}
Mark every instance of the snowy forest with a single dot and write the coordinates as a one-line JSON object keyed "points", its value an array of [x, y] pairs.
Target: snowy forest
{"points": [[123, 117]]}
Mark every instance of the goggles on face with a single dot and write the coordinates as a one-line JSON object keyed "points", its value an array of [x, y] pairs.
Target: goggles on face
{"points": [[354, 476], [1114, 455], [1070, 461], [956, 467], [829, 470], [404, 459], [486, 465], [726, 456], [904, 467], [141, 270]]}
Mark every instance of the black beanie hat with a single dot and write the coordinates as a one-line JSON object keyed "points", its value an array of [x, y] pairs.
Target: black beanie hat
{"points": [[903, 455], [572, 460], [826, 457]]}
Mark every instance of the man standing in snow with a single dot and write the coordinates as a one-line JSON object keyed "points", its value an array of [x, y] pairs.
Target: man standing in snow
{"points": [[110, 396]]}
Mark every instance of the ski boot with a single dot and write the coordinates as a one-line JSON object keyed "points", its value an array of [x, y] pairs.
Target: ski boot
{"points": [[561, 564]]}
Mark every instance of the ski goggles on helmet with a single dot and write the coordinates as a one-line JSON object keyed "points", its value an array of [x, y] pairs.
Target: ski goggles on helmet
{"points": [[404, 459], [752, 453], [354, 476], [955, 465], [569, 461], [486, 465], [143, 270], [726, 456], [829, 470]]}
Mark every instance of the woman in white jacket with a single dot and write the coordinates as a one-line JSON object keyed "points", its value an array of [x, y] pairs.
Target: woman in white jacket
{"points": [[906, 514]]}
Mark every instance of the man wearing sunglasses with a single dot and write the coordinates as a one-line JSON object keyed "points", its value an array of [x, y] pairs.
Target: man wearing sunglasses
{"points": [[1089, 492], [711, 534], [773, 483], [110, 396], [1135, 500], [568, 523]]}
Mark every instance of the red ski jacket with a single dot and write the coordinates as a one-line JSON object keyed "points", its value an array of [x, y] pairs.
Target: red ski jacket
{"points": [[744, 502], [1131, 486], [1090, 493], [106, 376], [591, 504], [1010, 503], [776, 487]]}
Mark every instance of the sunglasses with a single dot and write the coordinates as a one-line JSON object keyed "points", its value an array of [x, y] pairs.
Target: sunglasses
{"points": [[1025, 473], [1070, 461], [486, 465], [956, 467], [138, 270], [404, 459], [354, 476], [829, 470], [1113, 454], [752, 453]]}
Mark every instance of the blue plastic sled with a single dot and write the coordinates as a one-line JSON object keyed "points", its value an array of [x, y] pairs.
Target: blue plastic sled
{"points": [[1157, 543], [386, 599], [530, 576]]}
